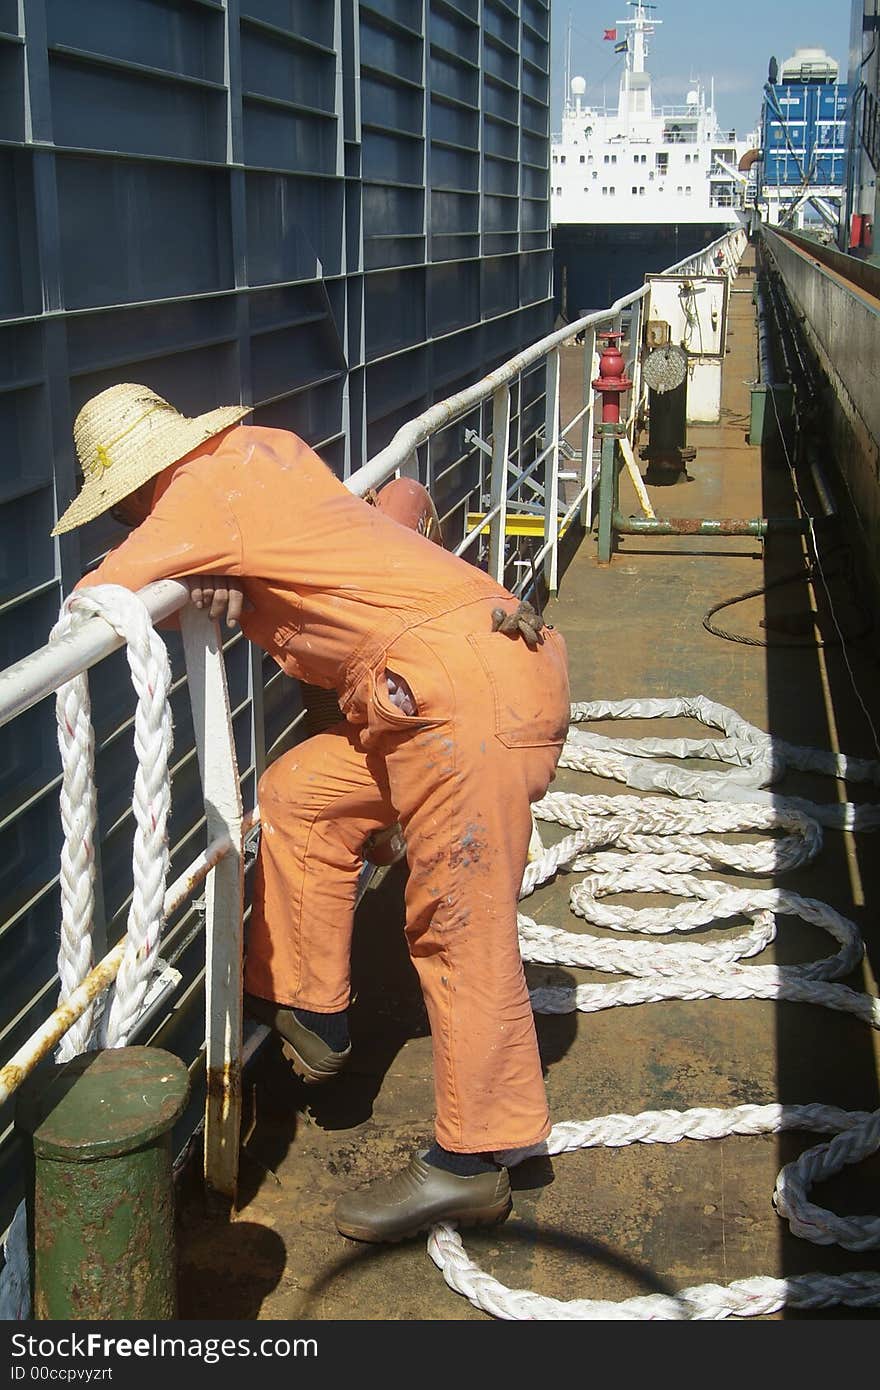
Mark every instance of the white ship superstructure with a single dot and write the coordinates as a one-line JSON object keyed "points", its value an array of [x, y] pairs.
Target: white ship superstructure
{"points": [[642, 165], [636, 187]]}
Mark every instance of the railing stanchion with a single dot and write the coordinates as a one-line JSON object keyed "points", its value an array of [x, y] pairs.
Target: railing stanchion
{"points": [[588, 431], [498, 489], [551, 472], [224, 898], [635, 355]]}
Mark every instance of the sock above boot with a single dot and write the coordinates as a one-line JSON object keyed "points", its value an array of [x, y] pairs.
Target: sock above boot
{"points": [[330, 1028], [463, 1165]]}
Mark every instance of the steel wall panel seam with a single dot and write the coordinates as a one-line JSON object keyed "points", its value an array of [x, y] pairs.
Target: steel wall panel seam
{"points": [[286, 36], [459, 59], [105, 60], [286, 104], [390, 79], [388, 23], [446, 99], [447, 7]]}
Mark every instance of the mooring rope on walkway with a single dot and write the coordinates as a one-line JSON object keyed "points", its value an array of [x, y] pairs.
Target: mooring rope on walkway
{"points": [[755, 759], [664, 848]]}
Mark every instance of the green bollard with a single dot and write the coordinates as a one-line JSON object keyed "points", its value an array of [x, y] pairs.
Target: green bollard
{"points": [[101, 1202]]}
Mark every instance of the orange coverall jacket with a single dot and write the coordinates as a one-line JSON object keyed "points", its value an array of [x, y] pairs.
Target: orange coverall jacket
{"points": [[341, 593]]}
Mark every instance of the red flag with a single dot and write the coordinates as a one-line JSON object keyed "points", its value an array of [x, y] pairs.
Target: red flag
{"points": [[610, 34]]}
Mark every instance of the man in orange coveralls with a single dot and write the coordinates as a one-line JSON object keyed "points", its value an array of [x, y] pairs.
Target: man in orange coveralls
{"points": [[450, 727]]}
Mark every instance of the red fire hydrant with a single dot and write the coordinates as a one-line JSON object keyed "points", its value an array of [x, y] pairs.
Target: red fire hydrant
{"points": [[611, 381]]}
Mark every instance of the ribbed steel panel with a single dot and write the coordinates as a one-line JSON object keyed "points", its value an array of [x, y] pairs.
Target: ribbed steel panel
{"points": [[337, 211]]}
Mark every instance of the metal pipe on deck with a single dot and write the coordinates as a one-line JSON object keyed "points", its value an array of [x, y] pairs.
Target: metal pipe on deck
{"points": [[705, 526]]}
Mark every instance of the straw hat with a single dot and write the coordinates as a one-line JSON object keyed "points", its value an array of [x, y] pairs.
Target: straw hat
{"points": [[126, 435]]}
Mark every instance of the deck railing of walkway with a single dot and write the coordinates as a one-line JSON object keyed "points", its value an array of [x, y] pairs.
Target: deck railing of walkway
{"points": [[221, 864]]}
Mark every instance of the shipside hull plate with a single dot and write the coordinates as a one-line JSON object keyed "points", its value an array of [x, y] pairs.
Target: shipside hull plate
{"points": [[595, 264]]}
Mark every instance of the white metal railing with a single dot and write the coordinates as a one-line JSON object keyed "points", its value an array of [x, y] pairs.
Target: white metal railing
{"points": [[503, 481], [32, 679]]}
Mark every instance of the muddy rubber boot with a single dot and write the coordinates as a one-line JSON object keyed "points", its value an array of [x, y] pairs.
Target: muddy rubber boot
{"points": [[312, 1059], [390, 1209]]}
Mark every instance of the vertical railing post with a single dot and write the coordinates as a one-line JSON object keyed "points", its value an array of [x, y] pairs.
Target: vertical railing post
{"points": [[224, 898], [588, 431], [498, 481], [635, 344], [551, 471]]}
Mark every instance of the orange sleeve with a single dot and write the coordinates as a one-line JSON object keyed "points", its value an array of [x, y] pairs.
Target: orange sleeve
{"points": [[191, 530]]}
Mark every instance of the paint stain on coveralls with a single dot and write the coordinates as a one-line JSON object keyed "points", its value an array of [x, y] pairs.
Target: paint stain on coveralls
{"points": [[470, 848]]}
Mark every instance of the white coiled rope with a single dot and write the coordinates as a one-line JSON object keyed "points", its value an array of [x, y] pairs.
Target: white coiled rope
{"points": [[664, 847], [755, 759], [151, 804]]}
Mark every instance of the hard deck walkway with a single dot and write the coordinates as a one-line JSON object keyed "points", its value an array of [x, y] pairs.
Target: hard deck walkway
{"points": [[604, 1223]]}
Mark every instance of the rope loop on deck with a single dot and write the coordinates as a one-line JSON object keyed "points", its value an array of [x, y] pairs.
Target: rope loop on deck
{"points": [[755, 759], [626, 844]]}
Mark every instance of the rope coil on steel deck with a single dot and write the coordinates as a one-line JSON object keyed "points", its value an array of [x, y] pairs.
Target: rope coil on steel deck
{"points": [[664, 847], [151, 804]]}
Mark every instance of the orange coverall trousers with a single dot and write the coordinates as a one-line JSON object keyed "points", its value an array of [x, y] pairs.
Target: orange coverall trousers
{"points": [[461, 785]]}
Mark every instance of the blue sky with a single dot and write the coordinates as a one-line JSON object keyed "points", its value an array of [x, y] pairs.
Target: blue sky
{"points": [[732, 43]]}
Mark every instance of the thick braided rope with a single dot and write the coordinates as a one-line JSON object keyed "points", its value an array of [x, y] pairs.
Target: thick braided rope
{"points": [[151, 676], [662, 851], [744, 1298], [76, 742], [151, 801], [755, 759]]}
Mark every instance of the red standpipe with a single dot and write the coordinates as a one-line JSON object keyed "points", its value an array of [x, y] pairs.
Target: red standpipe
{"points": [[611, 381]]}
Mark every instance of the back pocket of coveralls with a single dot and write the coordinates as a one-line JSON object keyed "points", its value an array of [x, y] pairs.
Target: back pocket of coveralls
{"points": [[530, 693], [382, 714]]}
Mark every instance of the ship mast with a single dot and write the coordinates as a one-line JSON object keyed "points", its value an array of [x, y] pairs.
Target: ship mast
{"points": [[642, 27], [635, 82]]}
